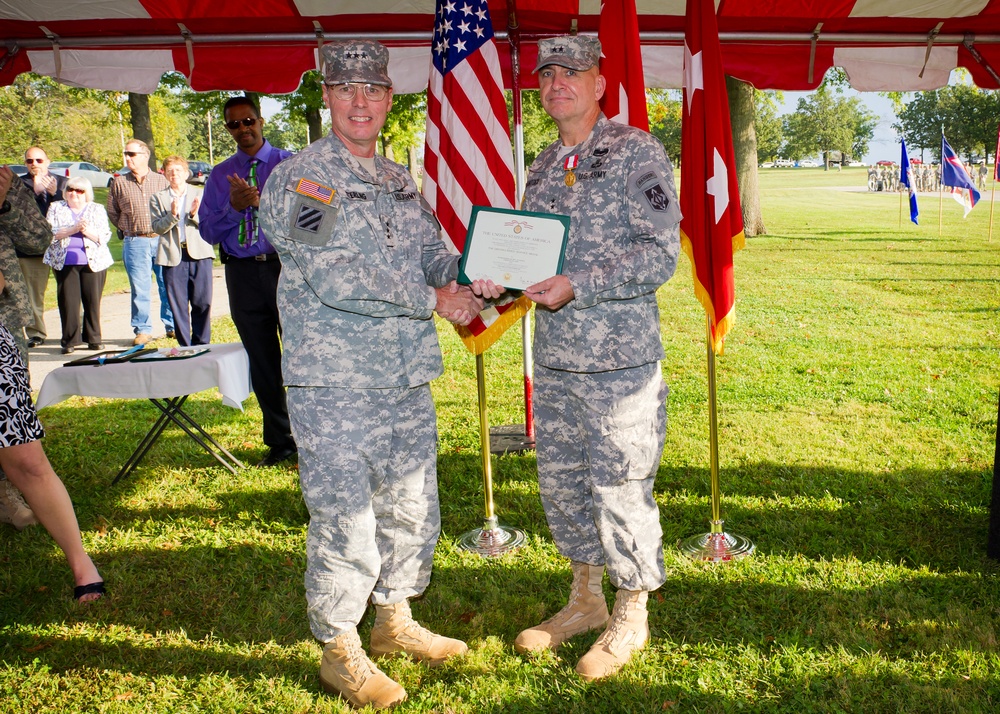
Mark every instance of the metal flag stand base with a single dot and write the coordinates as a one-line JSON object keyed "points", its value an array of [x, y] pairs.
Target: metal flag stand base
{"points": [[510, 439], [717, 546], [492, 539]]}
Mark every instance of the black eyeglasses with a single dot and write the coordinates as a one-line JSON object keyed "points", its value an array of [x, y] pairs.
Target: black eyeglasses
{"points": [[34, 161], [235, 123], [131, 154]]}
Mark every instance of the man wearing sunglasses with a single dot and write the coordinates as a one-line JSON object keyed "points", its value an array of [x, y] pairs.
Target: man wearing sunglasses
{"points": [[229, 217], [128, 210], [364, 272], [47, 188]]}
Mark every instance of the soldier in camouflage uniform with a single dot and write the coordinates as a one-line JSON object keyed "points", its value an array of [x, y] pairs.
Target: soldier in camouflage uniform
{"points": [[363, 271], [599, 395], [23, 228]]}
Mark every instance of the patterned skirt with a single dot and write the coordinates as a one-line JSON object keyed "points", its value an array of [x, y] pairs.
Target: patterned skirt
{"points": [[18, 420]]}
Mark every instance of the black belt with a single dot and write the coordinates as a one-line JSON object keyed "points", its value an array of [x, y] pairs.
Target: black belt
{"points": [[259, 258]]}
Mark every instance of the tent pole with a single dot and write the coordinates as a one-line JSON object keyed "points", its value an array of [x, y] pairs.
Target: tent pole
{"points": [[515, 437]]}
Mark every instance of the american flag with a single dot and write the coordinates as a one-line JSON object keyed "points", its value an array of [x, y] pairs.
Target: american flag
{"points": [[315, 190], [468, 159]]}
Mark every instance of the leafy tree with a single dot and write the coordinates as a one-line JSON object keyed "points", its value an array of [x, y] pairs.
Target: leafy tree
{"points": [[539, 129], [404, 127], [968, 115], [305, 104], [664, 109], [767, 124], [920, 121], [826, 121]]}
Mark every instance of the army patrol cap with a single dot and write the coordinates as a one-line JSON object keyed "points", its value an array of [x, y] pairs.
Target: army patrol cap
{"points": [[360, 61], [571, 51]]}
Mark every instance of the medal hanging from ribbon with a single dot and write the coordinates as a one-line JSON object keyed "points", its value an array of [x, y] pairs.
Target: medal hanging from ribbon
{"points": [[248, 227], [571, 163]]}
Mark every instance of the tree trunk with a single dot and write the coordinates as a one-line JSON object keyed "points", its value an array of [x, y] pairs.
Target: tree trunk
{"points": [[413, 166], [315, 122], [142, 124], [741, 112]]}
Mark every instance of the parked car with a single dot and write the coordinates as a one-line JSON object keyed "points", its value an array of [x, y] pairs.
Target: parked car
{"points": [[767, 165], [19, 169], [199, 172], [97, 177], [856, 164], [808, 164], [883, 162], [784, 163]]}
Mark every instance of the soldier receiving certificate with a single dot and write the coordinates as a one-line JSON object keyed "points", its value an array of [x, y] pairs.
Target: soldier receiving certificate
{"points": [[515, 249]]}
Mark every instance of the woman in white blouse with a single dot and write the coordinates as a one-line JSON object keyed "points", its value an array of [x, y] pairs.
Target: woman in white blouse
{"points": [[80, 257]]}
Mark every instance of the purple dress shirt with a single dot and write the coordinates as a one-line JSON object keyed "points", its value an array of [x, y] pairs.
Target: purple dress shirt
{"points": [[220, 222]]}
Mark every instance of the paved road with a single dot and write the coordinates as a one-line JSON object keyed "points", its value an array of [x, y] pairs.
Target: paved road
{"points": [[115, 328]]}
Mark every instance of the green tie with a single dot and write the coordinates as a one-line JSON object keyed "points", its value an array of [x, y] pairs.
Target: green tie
{"points": [[248, 227]]}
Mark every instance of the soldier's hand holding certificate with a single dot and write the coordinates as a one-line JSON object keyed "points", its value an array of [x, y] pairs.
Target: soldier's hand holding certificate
{"points": [[515, 249]]}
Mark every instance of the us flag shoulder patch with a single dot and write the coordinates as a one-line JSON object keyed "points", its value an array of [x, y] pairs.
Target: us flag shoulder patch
{"points": [[309, 218], [315, 190]]}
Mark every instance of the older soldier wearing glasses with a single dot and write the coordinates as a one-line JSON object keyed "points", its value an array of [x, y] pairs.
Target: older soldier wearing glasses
{"points": [[229, 217], [364, 271]]}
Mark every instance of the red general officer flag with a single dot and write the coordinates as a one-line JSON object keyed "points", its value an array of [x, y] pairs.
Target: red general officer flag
{"points": [[467, 158], [624, 99], [712, 226]]}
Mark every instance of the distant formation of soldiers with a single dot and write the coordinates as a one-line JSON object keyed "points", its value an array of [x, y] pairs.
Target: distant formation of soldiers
{"points": [[926, 177]]}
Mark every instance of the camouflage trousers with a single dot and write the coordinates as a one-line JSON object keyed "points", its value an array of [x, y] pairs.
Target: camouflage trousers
{"points": [[599, 438], [368, 469]]}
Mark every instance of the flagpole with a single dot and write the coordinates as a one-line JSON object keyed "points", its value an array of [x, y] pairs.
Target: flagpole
{"points": [[716, 546], [518, 437], [993, 195], [900, 210], [492, 539], [940, 207]]}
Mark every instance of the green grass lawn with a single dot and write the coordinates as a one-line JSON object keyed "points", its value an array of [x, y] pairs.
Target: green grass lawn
{"points": [[857, 410]]}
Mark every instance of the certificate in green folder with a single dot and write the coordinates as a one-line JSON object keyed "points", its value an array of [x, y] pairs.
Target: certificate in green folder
{"points": [[515, 249]]}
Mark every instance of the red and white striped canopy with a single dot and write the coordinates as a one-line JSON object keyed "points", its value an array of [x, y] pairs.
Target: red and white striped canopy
{"points": [[266, 45]]}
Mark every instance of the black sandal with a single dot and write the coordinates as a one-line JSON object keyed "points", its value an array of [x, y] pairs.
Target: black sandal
{"points": [[80, 590]]}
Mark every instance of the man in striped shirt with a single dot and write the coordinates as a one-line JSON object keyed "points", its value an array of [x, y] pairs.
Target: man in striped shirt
{"points": [[128, 210]]}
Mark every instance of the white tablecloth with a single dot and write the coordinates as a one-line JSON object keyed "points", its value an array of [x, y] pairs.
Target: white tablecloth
{"points": [[225, 367]]}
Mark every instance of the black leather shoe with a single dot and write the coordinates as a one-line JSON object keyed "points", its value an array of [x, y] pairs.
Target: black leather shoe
{"points": [[276, 456], [68, 350], [36, 342], [95, 345]]}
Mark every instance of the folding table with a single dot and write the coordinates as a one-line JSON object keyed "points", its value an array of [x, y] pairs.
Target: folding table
{"points": [[166, 383]]}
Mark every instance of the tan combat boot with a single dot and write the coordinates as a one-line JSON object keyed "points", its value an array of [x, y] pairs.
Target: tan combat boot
{"points": [[396, 632], [347, 672], [13, 509], [627, 633], [586, 610]]}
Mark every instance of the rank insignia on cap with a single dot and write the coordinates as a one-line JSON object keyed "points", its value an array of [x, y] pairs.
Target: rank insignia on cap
{"points": [[314, 190]]}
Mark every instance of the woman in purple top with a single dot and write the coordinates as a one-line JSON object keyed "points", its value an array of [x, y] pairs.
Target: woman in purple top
{"points": [[80, 257]]}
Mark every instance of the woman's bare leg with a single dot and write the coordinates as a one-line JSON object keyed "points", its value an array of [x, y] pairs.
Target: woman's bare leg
{"points": [[28, 468]]}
